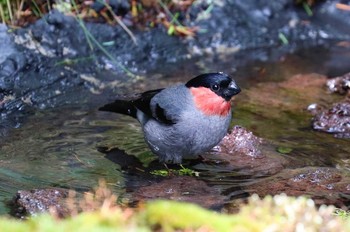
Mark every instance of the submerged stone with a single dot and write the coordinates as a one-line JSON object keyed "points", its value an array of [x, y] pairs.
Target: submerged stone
{"points": [[182, 188], [241, 141], [324, 185], [340, 84], [335, 120], [242, 150], [36, 201]]}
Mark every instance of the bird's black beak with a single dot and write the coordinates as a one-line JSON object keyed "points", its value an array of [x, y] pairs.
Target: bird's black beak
{"points": [[233, 89]]}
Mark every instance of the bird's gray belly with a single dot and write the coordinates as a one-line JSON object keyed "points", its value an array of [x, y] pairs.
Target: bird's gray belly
{"points": [[185, 139]]}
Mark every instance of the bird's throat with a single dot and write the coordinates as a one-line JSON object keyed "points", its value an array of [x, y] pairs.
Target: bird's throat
{"points": [[209, 102]]}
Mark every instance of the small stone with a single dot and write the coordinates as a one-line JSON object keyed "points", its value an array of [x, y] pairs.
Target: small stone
{"points": [[36, 201], [335, 120], [340, 84], [182, 188], [241, 141]]}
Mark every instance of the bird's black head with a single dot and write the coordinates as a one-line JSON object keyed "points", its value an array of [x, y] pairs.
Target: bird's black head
{"points": [[220, 83]]}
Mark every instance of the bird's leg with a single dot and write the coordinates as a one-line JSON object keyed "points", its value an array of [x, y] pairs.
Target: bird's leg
{"points": [[201, 158], [169, 170]]}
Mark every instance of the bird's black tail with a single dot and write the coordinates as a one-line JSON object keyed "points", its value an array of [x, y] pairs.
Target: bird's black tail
{"points": [[120, 107]]}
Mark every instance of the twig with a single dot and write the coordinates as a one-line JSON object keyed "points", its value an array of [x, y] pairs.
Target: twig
{"points": [[174, 19], [75, 155], [19, 8], [342, 6], [48, 5]]}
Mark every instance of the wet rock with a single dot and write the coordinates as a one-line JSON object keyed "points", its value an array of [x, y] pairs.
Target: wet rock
{"points": [[277, 17], [36, 201], [7, 46], [182, 188], [8, 69], [314, 108], [335, 120], [324, 185], [241, 142], [120, 7], [340, 84], [242, 150]]}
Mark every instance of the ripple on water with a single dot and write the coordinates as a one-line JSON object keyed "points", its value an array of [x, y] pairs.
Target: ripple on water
{"points": [[55, 148]]}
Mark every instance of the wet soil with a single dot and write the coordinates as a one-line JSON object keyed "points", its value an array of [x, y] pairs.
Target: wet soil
{"points": [[52, 83], [325, 185], [182, 188]]}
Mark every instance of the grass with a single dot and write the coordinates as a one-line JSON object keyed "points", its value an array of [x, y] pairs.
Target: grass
{"points": [[37, 10], [143, 14], [120, 22], [307, 9], [7, 9], [283, 38], [177, 172]]}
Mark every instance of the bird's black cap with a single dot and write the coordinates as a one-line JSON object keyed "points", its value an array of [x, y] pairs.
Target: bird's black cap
{"points": [[220, 83]]}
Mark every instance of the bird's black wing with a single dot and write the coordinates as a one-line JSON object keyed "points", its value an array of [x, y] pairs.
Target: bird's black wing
{"points": [[120, 106], [162, 116], [130, 104], [143, 102]]}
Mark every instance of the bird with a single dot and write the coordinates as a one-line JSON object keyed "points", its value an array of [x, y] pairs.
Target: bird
{"points": [[182, 121]]}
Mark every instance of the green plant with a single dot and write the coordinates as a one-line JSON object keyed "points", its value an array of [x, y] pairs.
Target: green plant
{"points": [[9, 9], [344, 214]]}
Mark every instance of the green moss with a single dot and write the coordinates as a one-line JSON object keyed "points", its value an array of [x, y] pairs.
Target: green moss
{"points": [[176, 215], [110, 220], [279, 213], [284, 150], [181, 172], [344, 214]]}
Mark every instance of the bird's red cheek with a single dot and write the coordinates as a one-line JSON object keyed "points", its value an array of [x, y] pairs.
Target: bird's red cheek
{"points": [[210, 103]]}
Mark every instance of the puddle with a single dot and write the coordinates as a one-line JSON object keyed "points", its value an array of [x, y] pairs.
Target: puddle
{"points": [[60, 147], [56, 148]]}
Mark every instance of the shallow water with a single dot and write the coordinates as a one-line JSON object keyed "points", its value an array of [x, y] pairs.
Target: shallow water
{"points": [[59, 147]]}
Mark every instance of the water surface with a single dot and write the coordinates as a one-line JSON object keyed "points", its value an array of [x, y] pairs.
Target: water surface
{"points": [[59, 147]]}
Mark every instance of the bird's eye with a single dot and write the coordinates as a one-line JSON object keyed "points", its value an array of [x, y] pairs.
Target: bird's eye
{"points": [[215, 87]]}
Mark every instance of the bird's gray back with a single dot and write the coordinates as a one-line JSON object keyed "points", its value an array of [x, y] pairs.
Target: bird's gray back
{"points": [[193, 132]]}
